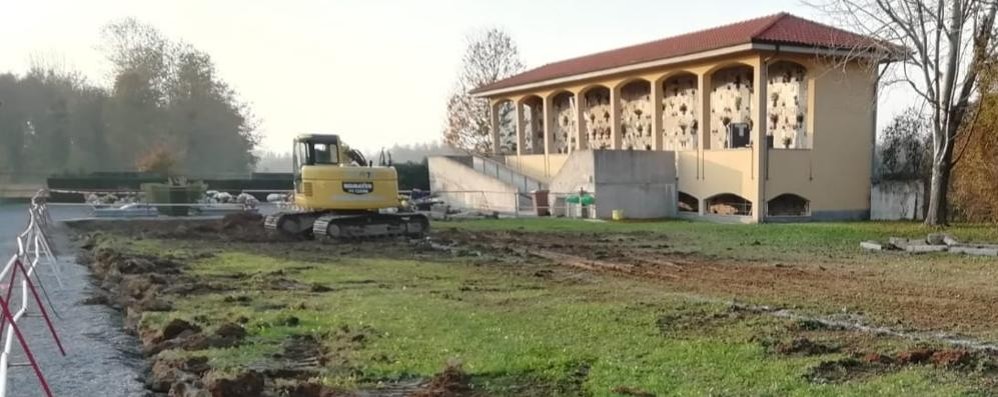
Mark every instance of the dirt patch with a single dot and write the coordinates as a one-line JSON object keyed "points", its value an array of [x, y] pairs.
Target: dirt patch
{"points": [[246, 384], [632, 391], [241, 227], [842, 370], [951, 358], [451, 382], [802, 346], [893, 298], [301, 357], [696, 319], [916, 356]]}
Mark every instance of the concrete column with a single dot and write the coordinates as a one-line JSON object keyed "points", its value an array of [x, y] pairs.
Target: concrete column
{"points": [[616, 140], [520, 127], [760, 151], [581, 132], [494, 125], [656, 114], [703, 120]]}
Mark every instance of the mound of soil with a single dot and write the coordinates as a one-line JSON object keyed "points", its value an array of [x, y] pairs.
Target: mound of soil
{"points": [[246, 384], [951, 358], [451, 382]]}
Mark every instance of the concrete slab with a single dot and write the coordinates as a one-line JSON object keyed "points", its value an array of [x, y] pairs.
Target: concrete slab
{"points": [[974, 250], [925, 248], [900, 242], [871, 245]]}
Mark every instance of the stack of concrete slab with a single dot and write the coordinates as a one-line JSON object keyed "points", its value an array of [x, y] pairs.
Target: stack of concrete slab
{"points": [[934, 242]]}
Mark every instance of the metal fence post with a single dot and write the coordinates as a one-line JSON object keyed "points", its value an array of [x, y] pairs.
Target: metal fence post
{"points": [[516, 204]]}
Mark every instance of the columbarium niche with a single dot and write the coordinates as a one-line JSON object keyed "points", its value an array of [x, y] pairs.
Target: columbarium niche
{"points": [[635, 116], [533, 123], [788, 204], [680, 125], [565, 127], [596, 115], [787, 107], [731, 98], [728, 204], [688, 203]]}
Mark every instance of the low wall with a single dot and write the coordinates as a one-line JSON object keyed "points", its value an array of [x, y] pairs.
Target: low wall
{"points": [[897, 200]]}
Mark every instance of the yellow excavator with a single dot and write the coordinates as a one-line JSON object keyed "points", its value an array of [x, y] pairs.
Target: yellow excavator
{"points": [[341, 195]]}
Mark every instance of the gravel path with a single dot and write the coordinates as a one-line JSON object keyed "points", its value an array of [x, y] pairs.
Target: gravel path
{"points": [[100, 359]]}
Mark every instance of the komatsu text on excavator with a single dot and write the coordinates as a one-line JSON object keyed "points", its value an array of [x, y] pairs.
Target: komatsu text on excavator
{"points": [[340, 195]]}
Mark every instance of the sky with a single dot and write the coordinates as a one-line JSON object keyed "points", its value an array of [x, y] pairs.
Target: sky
{"points": [[377, 72]]}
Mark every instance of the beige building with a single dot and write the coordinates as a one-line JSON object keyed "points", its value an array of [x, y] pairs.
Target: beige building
{"points": [[766, 119]]}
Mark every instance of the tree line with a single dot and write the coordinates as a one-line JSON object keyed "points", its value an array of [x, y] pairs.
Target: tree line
{"points": [[165, 102]]}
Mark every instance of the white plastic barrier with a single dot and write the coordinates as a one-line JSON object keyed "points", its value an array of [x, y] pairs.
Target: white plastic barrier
{"points": [[32, 247]]}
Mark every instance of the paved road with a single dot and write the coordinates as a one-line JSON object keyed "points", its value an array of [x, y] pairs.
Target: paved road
{"points": [[101, 360]]}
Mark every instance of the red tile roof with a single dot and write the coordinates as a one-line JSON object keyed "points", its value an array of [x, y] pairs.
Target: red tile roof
{"points": [[781, 28]]}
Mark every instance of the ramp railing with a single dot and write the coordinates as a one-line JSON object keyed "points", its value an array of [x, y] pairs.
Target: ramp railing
{"points": [[33, 247]]}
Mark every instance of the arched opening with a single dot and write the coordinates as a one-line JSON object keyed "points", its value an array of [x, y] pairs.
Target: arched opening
{"points": [[564, 128], [731, 97], [680, 124], [532, 108], [728, 204], [635, 115], [596, 116], [688, 203], [505, 109], [787, 106], [788, 204]]}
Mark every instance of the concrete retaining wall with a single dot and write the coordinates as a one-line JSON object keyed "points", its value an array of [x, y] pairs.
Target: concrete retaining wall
{"points": [[640, 183], [896, 200], [463, 187]]}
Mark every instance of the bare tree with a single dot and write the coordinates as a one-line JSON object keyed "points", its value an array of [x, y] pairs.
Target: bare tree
{"points": [[490, 56], [941, 45]]}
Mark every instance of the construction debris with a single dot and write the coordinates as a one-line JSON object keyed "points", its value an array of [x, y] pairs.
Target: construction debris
{"points": [[934, 242]]}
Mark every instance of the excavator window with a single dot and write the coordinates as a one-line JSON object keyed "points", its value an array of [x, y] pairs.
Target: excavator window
{"points": [[324, 153], [313, 153]]}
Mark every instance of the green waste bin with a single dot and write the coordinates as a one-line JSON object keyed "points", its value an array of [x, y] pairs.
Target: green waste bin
{"points": [[584, 201]]}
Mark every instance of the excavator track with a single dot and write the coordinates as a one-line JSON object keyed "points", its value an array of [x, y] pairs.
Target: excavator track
{"points": [[291, 224], [334, 226], [346, 226]]}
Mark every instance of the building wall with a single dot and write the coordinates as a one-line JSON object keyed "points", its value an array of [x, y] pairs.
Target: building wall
{"points": [[564, 124], [635, 116], [826, 112], [680, 125], [596, 117], [835, 174]]}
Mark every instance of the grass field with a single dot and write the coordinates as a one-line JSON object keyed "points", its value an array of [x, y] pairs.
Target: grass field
{"points": [[392, 312]]}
